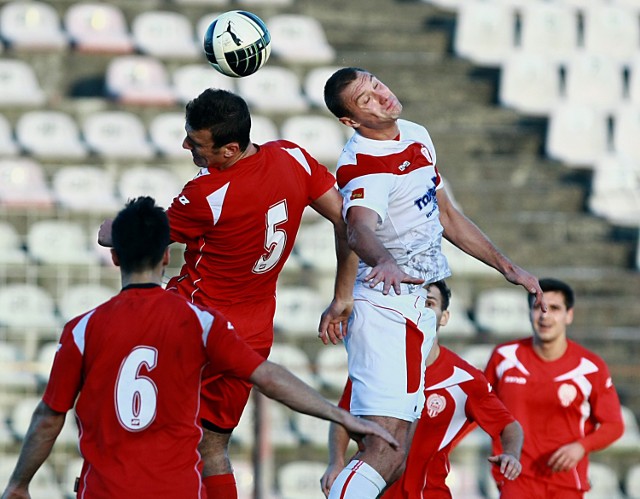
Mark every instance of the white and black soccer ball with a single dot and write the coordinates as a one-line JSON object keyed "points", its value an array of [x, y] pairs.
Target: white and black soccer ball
{"points": [[237, 43]]}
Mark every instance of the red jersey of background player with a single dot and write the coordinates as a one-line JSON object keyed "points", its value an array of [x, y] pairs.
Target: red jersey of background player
{"points": [[239, 225], [576, 393], [135, 347], [457, 396]]}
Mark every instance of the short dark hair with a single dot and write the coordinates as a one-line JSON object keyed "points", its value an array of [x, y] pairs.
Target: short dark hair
{"points": [[444, 291], [550, 284], [225, 114], [334, 87], [140, 234]]}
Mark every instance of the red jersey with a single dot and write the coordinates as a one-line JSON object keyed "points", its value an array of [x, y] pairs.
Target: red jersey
{"points": [[239, 225], [134, 365], [556, 402], [457, 395]]}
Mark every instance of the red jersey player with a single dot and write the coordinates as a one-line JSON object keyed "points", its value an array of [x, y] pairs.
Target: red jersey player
{"points": [[457, 396], [132, 367], [563, 396]]}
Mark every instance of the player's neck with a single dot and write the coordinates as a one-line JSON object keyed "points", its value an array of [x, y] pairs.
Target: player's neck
{"points": [[551, 350], [386, 133], [145, 277], [249, 151]]}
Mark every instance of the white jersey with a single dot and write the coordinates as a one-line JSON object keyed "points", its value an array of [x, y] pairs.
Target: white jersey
{"points": [[398, 179]]}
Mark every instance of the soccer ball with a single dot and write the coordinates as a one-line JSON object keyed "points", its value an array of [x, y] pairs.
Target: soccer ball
{"points": [[237, 43]]}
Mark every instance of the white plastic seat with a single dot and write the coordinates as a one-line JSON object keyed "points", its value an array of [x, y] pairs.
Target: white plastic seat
{"points": [[549, 29], [22, 183], [315, 246], [50, 134], [463, 481], [190, 80], [139, 79], [85, 188], [299, 479], [314, 82], [280, 425], [463, 263], [459, 323], [44, 360], [298, 310], [59, 242], [295, 360], [626, 131], [594, 80], [477, 355], [299, 38], [323, 137], [26, 305], [484, 32], [604, 482], [20, 419], [632, 482], [159, 183], [81, 298], [577, 134], [72, 470], [8, 145], [117, 134], [98, 28], [503, 311], [630, 439], [331, 364], [19, 85], [13, 374], [312, 430], [611, 31], [164, 34], [11, 251], [202, 25], [166, 132], [529, 83], [263, 129], [32, 25], [273, 89]]}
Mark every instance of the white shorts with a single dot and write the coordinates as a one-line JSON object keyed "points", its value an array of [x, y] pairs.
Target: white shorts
{"points": [[388, 340]]}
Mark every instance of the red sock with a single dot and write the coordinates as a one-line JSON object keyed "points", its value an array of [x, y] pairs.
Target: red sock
{"points": [[221, 486]]}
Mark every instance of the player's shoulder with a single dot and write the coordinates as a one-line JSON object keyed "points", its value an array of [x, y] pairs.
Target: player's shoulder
{"points": [[457, 361], [581, 351], [520, 344]]}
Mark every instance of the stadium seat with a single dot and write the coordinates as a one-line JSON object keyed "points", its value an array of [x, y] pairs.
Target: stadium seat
{"points": [[117, 134], [577, 134], [298, 310], [263, 129], [549, 30], [19, 85], [14, 375], [314, 431], [323, 137], [331, 367], [32, 25], [484, 32], [280, 425], [294, 359], [72, 470], [299, 38], [529, 83], [159, 183], [630, 439], [11, 245], [202, 25], [98, 28], [604, 482], [57, 242], [139, 80], [594, 80], [632, 482], [190, 80], [166, 131], [273, 89], [313, 85], [20, 418], [85, 188], [44, 360], [463, 263], [626, 130], [459, 323], [300, 479], [477, 355], [611, 31], [8, 146], [81, 298], [164, 34], [23, 184], [50, 134], [26, 305], [463, 481], [503, 312], [315, 246]]}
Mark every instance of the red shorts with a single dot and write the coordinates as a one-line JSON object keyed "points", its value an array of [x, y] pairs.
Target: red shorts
{"points": [[525, 487]]}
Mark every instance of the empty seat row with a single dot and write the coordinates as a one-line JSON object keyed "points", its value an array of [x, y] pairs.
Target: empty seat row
{"points": [[102, 27]]}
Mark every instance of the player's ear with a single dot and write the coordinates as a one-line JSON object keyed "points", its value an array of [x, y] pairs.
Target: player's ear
{"points": [[166, 257], [444, 318], [349, 122], [231, 149], [114, 258]]}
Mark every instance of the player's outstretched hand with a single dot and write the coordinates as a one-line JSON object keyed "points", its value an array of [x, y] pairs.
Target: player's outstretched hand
{"points": [[529, 282], [359, 428], [389, 273], [104, 233], [330, 475], [510, 466], [333, 321], [16, 493]]}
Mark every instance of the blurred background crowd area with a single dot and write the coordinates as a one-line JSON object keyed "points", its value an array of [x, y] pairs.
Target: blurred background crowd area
{"points": [[534, 109]]}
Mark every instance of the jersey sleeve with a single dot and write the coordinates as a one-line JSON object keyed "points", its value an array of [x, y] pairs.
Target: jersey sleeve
{"points": [[490, 371], [65, 379], [369, 191], [189, 215], [485, 408]]}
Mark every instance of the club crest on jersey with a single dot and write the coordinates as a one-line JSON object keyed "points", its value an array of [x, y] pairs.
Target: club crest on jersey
{"points": [[435, 404], [357, 193], [567, 394]]}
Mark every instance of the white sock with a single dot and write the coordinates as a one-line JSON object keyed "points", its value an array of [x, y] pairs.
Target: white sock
{"points": [[357, 480]]}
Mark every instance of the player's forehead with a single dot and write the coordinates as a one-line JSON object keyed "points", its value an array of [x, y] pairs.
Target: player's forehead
{"points": [[362, 83], [434, 294]]}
